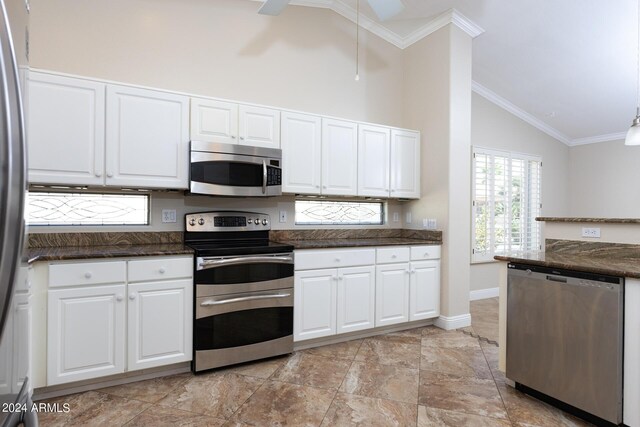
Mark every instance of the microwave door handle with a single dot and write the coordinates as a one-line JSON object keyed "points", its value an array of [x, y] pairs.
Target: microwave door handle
{"points": [[264, 176], [240, 299], [212, 263]]}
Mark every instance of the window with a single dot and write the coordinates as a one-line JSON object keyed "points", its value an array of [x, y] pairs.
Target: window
{"points": [[324, 212], [87, 209], [506, 201]]}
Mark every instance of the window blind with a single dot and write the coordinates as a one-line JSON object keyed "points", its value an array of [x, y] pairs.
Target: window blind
{"points": [[506, 192]]}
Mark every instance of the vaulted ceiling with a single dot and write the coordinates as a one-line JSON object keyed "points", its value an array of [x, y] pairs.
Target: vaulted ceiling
{"points": [[567, 67]]}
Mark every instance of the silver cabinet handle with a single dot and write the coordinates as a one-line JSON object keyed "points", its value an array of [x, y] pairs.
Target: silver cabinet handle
{"points": [[162, 270], [87, 275], [132, 296], [119, 298], [109, 175], [210, 302], [233, 137], [242, 138], [264, 176], [212, 263], [98, 174]]}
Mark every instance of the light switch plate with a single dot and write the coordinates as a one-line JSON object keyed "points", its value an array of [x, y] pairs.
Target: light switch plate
{"points": [[396, 217], [168, 215], [408, 221]]}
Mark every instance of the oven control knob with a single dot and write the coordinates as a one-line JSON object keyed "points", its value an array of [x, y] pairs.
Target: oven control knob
{"points": [[257, 221], [201, 221], [265, 222], [192, 221]]}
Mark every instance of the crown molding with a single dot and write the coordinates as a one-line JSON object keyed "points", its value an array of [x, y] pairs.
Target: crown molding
{"points": [[450, 16], [539, 124], [519, 112], [599, 138]]}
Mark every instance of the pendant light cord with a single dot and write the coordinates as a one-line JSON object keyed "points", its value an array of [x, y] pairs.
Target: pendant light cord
{"points": [[358, 39], [638, 66]]}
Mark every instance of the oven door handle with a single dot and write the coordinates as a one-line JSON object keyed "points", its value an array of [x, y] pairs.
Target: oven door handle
{"points": [[241, 299], [213, 263], [264, 176]]}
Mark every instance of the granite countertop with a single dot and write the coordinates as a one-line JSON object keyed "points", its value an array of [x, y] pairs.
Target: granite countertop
{"points": [[348, 243], [624, 267], [591, 220], [110, 251]]}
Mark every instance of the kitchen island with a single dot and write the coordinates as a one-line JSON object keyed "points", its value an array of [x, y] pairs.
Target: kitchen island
{"points": [[606, 258]]}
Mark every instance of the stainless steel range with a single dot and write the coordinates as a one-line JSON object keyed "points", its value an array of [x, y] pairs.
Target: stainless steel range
{"points": [[243, 289]]}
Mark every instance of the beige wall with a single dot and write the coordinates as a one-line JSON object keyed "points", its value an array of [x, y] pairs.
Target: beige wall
{"points": [[494, 127], [303, 59], [603, 180]]}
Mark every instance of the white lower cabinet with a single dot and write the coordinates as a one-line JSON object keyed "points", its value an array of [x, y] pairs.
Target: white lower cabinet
{"points": [[392, 294], [109, 328], [314, 304], [356, 299], [371, 288], [86, 333], [424, 295]]}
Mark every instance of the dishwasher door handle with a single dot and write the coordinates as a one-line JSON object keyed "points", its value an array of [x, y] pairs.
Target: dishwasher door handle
{"points": [[557, 279]]}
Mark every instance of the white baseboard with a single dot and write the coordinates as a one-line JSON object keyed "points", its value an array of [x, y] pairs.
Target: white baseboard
{"points": [[484, 294], [453, 322]]}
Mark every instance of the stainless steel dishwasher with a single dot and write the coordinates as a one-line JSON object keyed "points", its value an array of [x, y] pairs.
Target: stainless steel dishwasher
{"points": [[565, 338]]}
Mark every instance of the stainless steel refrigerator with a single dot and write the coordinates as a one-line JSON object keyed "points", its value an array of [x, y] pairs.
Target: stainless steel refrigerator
{"points": [[15, 391]]}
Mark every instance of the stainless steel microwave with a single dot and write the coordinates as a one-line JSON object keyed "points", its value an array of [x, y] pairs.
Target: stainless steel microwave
{"points": [[235, 170]]}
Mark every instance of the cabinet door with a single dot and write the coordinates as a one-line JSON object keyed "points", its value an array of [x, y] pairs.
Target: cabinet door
{"points": [[301, 153], [339, 158], [65, 135], [373, 161], [6, 357], [214, 121], [356, 299], [392, 294], [147, 138], [160, 321], [405, 164], [315, 304], [259, 127], [424, 300], [85, 333], [22, 317]]}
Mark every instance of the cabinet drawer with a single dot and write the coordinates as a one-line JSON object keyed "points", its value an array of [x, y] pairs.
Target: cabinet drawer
{"points": [[425, 252], [160, 268], [332, 258], [392, 254], [87, 273]]}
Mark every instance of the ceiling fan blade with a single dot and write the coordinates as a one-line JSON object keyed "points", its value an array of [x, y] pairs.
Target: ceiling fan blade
{"points": [[273, 7], [386, 9]]}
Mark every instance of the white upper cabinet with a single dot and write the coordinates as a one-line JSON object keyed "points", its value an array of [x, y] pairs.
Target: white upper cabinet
{"points": [[339, 157], [230, 123], [373, 161], [147, 138], [214, 121], [65, 141], [301, 153], [405, 164], [259, 127]]}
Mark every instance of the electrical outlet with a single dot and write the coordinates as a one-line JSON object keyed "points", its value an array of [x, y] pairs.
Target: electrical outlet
{"points": [[408, 221], [396, 217], [425, 222], [168, 215], [283, 216], [591, 232], [433, 224]]}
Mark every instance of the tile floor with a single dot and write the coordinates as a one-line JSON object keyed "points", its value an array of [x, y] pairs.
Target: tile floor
{"points": [[420, 377]]}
